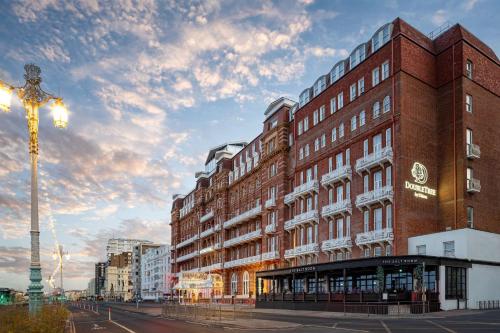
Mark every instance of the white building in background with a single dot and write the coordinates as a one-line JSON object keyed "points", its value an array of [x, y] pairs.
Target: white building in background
{"points": [[136, 273], [120, 245], [155, 270], [469, 283]]}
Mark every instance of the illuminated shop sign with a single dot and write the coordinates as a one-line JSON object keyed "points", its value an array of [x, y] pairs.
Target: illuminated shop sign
{"points": [[420, 177]]}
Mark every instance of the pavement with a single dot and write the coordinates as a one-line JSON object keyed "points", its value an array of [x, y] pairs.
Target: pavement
{"points": [[147, 318]]}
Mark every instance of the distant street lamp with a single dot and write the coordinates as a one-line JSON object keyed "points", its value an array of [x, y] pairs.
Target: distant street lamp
{"points": [[33, 97]]}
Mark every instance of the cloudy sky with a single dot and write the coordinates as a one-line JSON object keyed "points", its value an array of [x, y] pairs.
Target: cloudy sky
{"points": [[151, 86]]}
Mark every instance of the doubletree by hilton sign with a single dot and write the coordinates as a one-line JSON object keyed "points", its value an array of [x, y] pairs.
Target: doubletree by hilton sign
{"points": [[420, 176]]}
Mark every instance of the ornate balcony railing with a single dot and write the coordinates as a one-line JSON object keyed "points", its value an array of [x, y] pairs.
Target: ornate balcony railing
{"points": [[213, 267], [208, 249], [473, 151], [307, 188], [243, 217], [289, 198], [340, 207], [371, 197], [243, 261], [344, 243], [270, 203], [187, 241], [307, 217], [270, 228], [312, 248], [187, 256], [271, 255], [375, 237], [473, 185], [378, 157], [243, 238], [340, 174], [207, 216], [207, 232]]}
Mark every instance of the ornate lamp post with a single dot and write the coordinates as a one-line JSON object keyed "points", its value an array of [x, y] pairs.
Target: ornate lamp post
{"points": [[33, 97]]}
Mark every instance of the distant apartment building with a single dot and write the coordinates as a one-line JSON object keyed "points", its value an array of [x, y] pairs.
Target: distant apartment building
{"points": [[90, 291], [156, 280], [381, 180], [120, 245], [118, 281], [136, 275]]}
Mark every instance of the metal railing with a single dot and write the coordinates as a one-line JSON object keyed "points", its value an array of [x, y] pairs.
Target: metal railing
{"points": [[488, 305], [201, 311]]}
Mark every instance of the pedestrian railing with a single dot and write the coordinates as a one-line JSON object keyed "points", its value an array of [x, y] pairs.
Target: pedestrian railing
{"points": [[211, 312], [488, 305]]}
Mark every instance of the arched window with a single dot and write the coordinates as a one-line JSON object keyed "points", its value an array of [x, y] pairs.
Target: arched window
{"points": [[376, 109], [234, 284], [246, 283], [387, 104]]}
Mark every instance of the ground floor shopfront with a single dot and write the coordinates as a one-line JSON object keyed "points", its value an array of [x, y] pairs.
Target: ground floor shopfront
{"points": [[376, 283]]}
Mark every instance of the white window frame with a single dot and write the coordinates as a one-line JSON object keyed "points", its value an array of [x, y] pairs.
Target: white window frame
{"points": [[361, 86], [340, 100], [385, 70], [362, 118], [352, 92], [354, 123], [375, 76]]}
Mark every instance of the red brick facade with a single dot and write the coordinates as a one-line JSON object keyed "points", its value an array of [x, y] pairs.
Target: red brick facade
{"points": [[293, 203]]}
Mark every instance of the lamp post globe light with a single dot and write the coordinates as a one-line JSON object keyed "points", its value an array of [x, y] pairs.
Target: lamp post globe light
{"points": [[33, 97]]}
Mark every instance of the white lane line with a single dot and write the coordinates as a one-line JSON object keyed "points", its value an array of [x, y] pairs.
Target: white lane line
{"points": [[120, 325], [387, 329], [441, 327]]}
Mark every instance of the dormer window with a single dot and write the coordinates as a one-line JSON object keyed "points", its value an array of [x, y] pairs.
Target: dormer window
{"points": [[357, 56], [337, 72], [319, 86], [381, 37], [304, 98]]}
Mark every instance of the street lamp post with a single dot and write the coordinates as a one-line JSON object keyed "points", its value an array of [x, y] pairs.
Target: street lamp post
{"points": [[33, 97]]}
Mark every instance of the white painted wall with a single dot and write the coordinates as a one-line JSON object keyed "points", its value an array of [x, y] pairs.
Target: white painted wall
{"points": [[482, 280]]}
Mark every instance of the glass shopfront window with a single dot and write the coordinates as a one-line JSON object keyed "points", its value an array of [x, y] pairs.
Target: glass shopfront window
{"points": [[456, 280], [298, 285], [430, 280], [366, 282], [337, 284], [399, 281]]}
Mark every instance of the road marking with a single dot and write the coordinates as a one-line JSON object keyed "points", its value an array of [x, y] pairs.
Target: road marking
{"points": [[120, 325], [97, 327], [441, 326], [387, 329]]}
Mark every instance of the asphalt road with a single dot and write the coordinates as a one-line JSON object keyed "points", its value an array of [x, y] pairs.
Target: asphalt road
{"points": [[130, 322], [485, 321]]}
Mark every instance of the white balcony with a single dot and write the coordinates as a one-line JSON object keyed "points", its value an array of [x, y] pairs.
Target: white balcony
{"points": [[187, 241], [341, 207], [311, 216], [473, 151], [187, 256], [210, 268], [378, 157], [473, 185], [379, 195], [271, 255], [243, 261], [342, 244], [375, 237], [207, 216], [289, 198], [270, 228], [340, 174], [307, 249], [243, 238], [270, 203], [208, 232], [307, 188], [209, 249], [249, 214]]}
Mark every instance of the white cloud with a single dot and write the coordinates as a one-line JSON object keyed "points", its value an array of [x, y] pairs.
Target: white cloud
{"points": [[469, 4], [439, 17]]}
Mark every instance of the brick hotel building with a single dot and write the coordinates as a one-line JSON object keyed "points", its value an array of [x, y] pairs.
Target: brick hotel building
{"points": [[383, 179]]}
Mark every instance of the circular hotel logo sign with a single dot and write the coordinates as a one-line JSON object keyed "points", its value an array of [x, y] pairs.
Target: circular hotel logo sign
{"points": [[419, 173]]}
